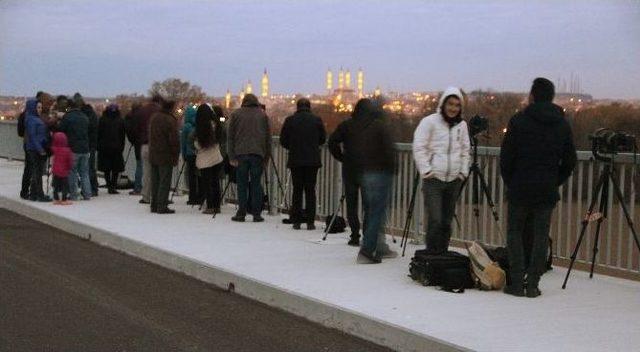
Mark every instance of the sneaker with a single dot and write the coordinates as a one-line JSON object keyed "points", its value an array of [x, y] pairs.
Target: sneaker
{"points": [[311, 226], [238, 218], [258, 218], [165, 211], [142, 201], [367, 258], [135, 193], [296, 226], [514, 290], [113, 191], [354, 241], [209, 211]]}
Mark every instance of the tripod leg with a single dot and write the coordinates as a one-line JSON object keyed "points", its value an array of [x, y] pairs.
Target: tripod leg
{"points": [[407, 224], [485, 189], [333, 217], [585, 222], [618, 193]]}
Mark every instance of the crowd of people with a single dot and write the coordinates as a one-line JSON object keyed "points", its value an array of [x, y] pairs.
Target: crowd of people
{"points": [[538, 155]]}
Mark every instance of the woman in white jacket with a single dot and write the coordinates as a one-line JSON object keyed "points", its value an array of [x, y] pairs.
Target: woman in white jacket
{"points": [[208, 134], [441, 152]]}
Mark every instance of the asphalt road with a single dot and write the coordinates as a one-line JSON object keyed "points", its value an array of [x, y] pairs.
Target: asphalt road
{"points": [[61, 293]]}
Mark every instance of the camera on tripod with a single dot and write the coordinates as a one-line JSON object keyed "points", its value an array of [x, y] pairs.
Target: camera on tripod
{"points": [[606, 141], [477, 125]]}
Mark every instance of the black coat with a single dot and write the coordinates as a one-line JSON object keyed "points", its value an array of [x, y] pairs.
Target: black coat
{"points": [[363, 143], [110, 143], [75, 125], [302, 134], [537, 155], [93, 126]]}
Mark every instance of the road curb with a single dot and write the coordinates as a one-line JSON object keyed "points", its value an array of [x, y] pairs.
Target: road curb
{"points": [[324, 313]]}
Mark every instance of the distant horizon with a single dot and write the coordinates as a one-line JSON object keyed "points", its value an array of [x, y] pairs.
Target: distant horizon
{"points": [[105, 48]]}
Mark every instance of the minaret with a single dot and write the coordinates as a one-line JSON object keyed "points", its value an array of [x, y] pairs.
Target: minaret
{"points": [[341, 79], [249, 88], [265, 84], [241, 96], [347, 79], [377, 92], [329, 80], [227, 99], [360, 83]]}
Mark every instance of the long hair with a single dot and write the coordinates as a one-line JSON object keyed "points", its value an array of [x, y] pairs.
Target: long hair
{"points": [[217, 121], [204, 130]]}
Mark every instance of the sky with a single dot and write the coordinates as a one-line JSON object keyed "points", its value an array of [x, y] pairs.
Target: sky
{"points": [[103, 48]]}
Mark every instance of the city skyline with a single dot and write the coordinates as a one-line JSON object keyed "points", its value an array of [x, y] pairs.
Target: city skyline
{"points": [[111, 48]]}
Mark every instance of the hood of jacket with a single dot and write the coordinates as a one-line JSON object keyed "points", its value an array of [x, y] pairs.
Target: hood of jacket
{"points": [[546, 113], [456, 92], [31, 108], [60, 140], [250, 100], [190, 116]]}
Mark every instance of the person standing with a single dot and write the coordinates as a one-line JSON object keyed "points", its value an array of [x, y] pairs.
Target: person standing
{"points": [[537, 156], [75, 125], [143, 118], [441, 149], [61, 166], [88, 110], [164, 151], [37, 143], [249, 148], [189, 154], [302, 134], [207, 137], [111, 137]]}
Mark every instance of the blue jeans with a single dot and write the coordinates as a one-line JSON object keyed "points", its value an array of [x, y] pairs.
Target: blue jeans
{"points": [[376, 186], [249, 174], [137, 182], [80, 170]]}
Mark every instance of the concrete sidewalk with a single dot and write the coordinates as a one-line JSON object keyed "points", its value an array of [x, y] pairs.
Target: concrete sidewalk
{"points": [[289, 269]]}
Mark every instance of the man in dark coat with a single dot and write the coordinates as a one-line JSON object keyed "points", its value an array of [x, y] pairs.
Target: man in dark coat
{"points": [[302, 134], [88, 110], [537, 156], [164, 150], [249, 148], [131, 125], [143, 118], [75, 124], [111, 135]]}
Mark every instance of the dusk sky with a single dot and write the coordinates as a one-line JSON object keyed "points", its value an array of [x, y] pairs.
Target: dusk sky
{"points": [[103, 48]]}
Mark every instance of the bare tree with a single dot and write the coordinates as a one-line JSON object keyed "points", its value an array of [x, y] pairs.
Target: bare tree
{"points": [[178, 90]]}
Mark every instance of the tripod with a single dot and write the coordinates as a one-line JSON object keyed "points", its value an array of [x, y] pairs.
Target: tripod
{"points": [[478, 185], [607, 178], [334, 216], [407, 223], [175, 187]]}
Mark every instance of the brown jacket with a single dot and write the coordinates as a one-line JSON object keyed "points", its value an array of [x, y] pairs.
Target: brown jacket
{"points": [[164, 144]]}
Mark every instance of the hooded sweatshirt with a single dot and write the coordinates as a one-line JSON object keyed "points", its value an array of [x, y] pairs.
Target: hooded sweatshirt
{"points": [[537, 155], [249, 130], [62, 155], [441, 146], [186, 142], [37, 132]]}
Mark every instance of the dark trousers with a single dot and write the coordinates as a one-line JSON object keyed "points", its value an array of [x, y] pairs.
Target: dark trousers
{"points": [[210, 186], [60, 185], [440, 202], [192, 179], [37, 163], [111, 177], [524, 221], [160, 186], [352, 189], [304, 182], [376, 187], [26, 174], [93, 176], [249, 173]]}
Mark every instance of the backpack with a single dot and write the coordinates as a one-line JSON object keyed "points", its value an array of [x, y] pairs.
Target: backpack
{"points": [[338, 226], [487, 273], [449, 270], [22, 124]]}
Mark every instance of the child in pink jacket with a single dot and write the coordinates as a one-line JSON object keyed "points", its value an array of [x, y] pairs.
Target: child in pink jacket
{"points": [[62, 164]]}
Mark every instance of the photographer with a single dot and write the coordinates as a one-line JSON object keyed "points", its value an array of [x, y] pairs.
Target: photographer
{"points": [[537, 156], [441, 152]]}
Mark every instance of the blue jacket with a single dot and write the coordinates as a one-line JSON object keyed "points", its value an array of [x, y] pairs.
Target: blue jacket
{"points": [[186, 143], [37, 132], [75, 125]]}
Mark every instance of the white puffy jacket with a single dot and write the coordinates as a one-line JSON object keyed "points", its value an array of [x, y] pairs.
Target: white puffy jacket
{"points": [[439, 150]]}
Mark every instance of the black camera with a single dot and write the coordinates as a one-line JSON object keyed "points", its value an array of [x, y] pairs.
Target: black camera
{"points": [[478, 124], [607, 141]]}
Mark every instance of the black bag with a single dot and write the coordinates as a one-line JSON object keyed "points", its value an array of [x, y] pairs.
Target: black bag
{"points": [[449, 270], [338, 225]]}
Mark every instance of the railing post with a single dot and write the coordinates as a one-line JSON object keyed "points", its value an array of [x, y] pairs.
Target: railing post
{"points": [[273, 182]]}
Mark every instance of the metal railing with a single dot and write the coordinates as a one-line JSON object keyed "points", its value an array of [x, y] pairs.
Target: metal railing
{"points": [[617, 254]]}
